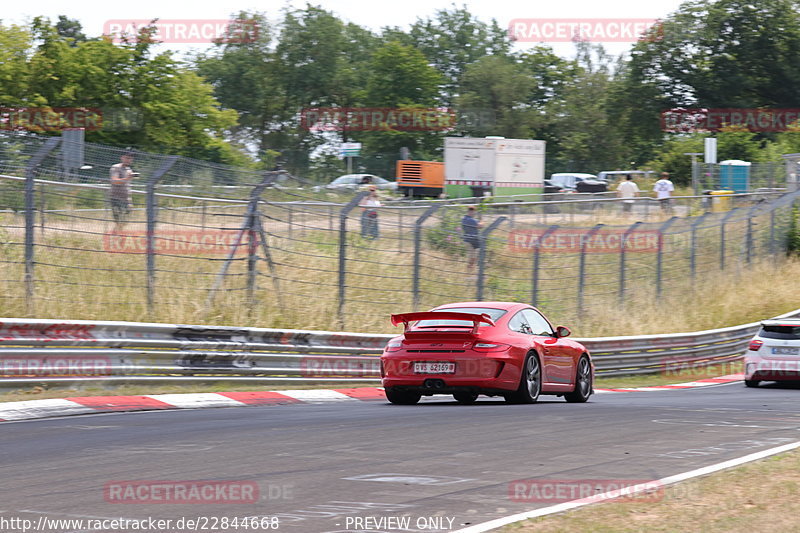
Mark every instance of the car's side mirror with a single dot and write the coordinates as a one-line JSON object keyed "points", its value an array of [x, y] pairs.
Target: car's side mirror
{"points": [[562, 331]]}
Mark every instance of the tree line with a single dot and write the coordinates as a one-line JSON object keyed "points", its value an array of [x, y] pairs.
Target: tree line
{"points": [[241, 100]]}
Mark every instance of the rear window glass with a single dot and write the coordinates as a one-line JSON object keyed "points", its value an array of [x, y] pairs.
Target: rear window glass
{"points": [[785, 332], [494, 314]]}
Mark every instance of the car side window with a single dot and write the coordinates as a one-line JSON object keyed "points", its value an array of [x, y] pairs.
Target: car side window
{"points": [[538, 323], [519, 324]]}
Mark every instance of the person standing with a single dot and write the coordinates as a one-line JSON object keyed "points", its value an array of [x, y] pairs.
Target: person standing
{"points": [[369, 215], [469, 233], [119, 192], [663, 189], [627, 190]]}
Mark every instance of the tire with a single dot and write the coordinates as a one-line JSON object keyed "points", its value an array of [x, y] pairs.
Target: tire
{"points": [[752, 383], [465, 398], [583, 382], [530, 382], [401, 397]]}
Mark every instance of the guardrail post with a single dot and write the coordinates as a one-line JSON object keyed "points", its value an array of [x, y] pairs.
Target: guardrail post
{"points": [[693, 248], [30, 215], [582, 266], [484, 236], [623, 245], [352, 204], [722, 239], [417, 247], [537, 245], [151, 209], [660, 255]]}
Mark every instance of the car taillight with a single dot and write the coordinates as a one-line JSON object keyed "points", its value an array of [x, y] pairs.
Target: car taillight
{"points": [[754, 345], [393, 346], [489, 347]]}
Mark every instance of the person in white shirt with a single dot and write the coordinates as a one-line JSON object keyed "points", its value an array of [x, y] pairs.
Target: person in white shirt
{"points": [[369, 216], [663, 189], [627, 190]]}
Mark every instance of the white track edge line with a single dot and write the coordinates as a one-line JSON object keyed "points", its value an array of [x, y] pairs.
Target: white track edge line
{"points": [[669, 480]]}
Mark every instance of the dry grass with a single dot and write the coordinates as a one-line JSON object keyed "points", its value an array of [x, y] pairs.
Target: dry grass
{"points": [[105, 286], [762, 496]]}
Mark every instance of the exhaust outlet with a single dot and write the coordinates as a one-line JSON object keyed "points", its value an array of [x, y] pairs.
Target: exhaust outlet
{"points": [[434, 383]]}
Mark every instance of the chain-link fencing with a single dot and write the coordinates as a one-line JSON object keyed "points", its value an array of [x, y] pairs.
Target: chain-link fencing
{"points": [[208, 243]]}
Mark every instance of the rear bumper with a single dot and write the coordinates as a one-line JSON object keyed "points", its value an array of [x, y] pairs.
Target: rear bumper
{"points": [[444, 384], [757, 368]]}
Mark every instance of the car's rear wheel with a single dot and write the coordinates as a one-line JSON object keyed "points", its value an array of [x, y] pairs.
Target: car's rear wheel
{"points": [[752, 383], [465, 398], [530, 382], [583, 382], [402, 397]]}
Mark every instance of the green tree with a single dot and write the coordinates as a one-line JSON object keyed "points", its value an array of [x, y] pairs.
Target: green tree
{"points": [[454, 39], [400, 77]]}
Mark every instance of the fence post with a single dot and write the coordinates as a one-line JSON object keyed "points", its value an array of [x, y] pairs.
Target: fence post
{"points": [[772, 232], [582, 266], [537, 244], [30, 215], [722, 239], [660, 255], [400, 228], [352, 204], [417, 246], [748, 242], [693, 249], [484, 235], [247, 226], [622, 259], [268, 257], [150, 232]]}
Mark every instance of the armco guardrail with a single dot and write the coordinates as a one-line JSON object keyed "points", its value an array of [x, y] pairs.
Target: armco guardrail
{"points": [[54, 352]]}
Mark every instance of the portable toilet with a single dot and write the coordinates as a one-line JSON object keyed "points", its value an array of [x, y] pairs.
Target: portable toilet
{"points": [[734, 175]]}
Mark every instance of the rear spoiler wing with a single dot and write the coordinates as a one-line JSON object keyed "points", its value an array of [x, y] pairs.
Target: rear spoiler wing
{"points": [[406, 318]]}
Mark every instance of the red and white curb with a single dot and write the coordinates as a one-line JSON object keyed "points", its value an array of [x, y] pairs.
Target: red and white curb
{"points": [[31, 409]]}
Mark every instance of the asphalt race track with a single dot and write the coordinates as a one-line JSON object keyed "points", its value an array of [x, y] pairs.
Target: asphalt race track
{"points": [[321, 468]]}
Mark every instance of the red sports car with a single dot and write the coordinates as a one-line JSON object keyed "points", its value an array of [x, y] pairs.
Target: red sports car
{"points": [[492, 348]]}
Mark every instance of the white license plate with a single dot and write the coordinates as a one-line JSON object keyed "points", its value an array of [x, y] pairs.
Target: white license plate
{"points": [[434, 367], [783, 350]]}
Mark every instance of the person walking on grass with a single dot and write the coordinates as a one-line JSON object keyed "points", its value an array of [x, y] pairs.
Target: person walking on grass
{"points": [[119, 193], [663, 189], [627, 190]]}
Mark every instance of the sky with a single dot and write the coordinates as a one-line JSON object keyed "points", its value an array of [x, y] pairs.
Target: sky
{"points": [[94, 15]]}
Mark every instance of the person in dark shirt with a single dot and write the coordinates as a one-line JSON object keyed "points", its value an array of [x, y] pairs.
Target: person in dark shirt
{"points": [[469, 233]]}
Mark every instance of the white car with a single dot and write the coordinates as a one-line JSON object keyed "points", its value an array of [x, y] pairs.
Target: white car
{"points": [[570, 180], [352, 182], [774, 353]]}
